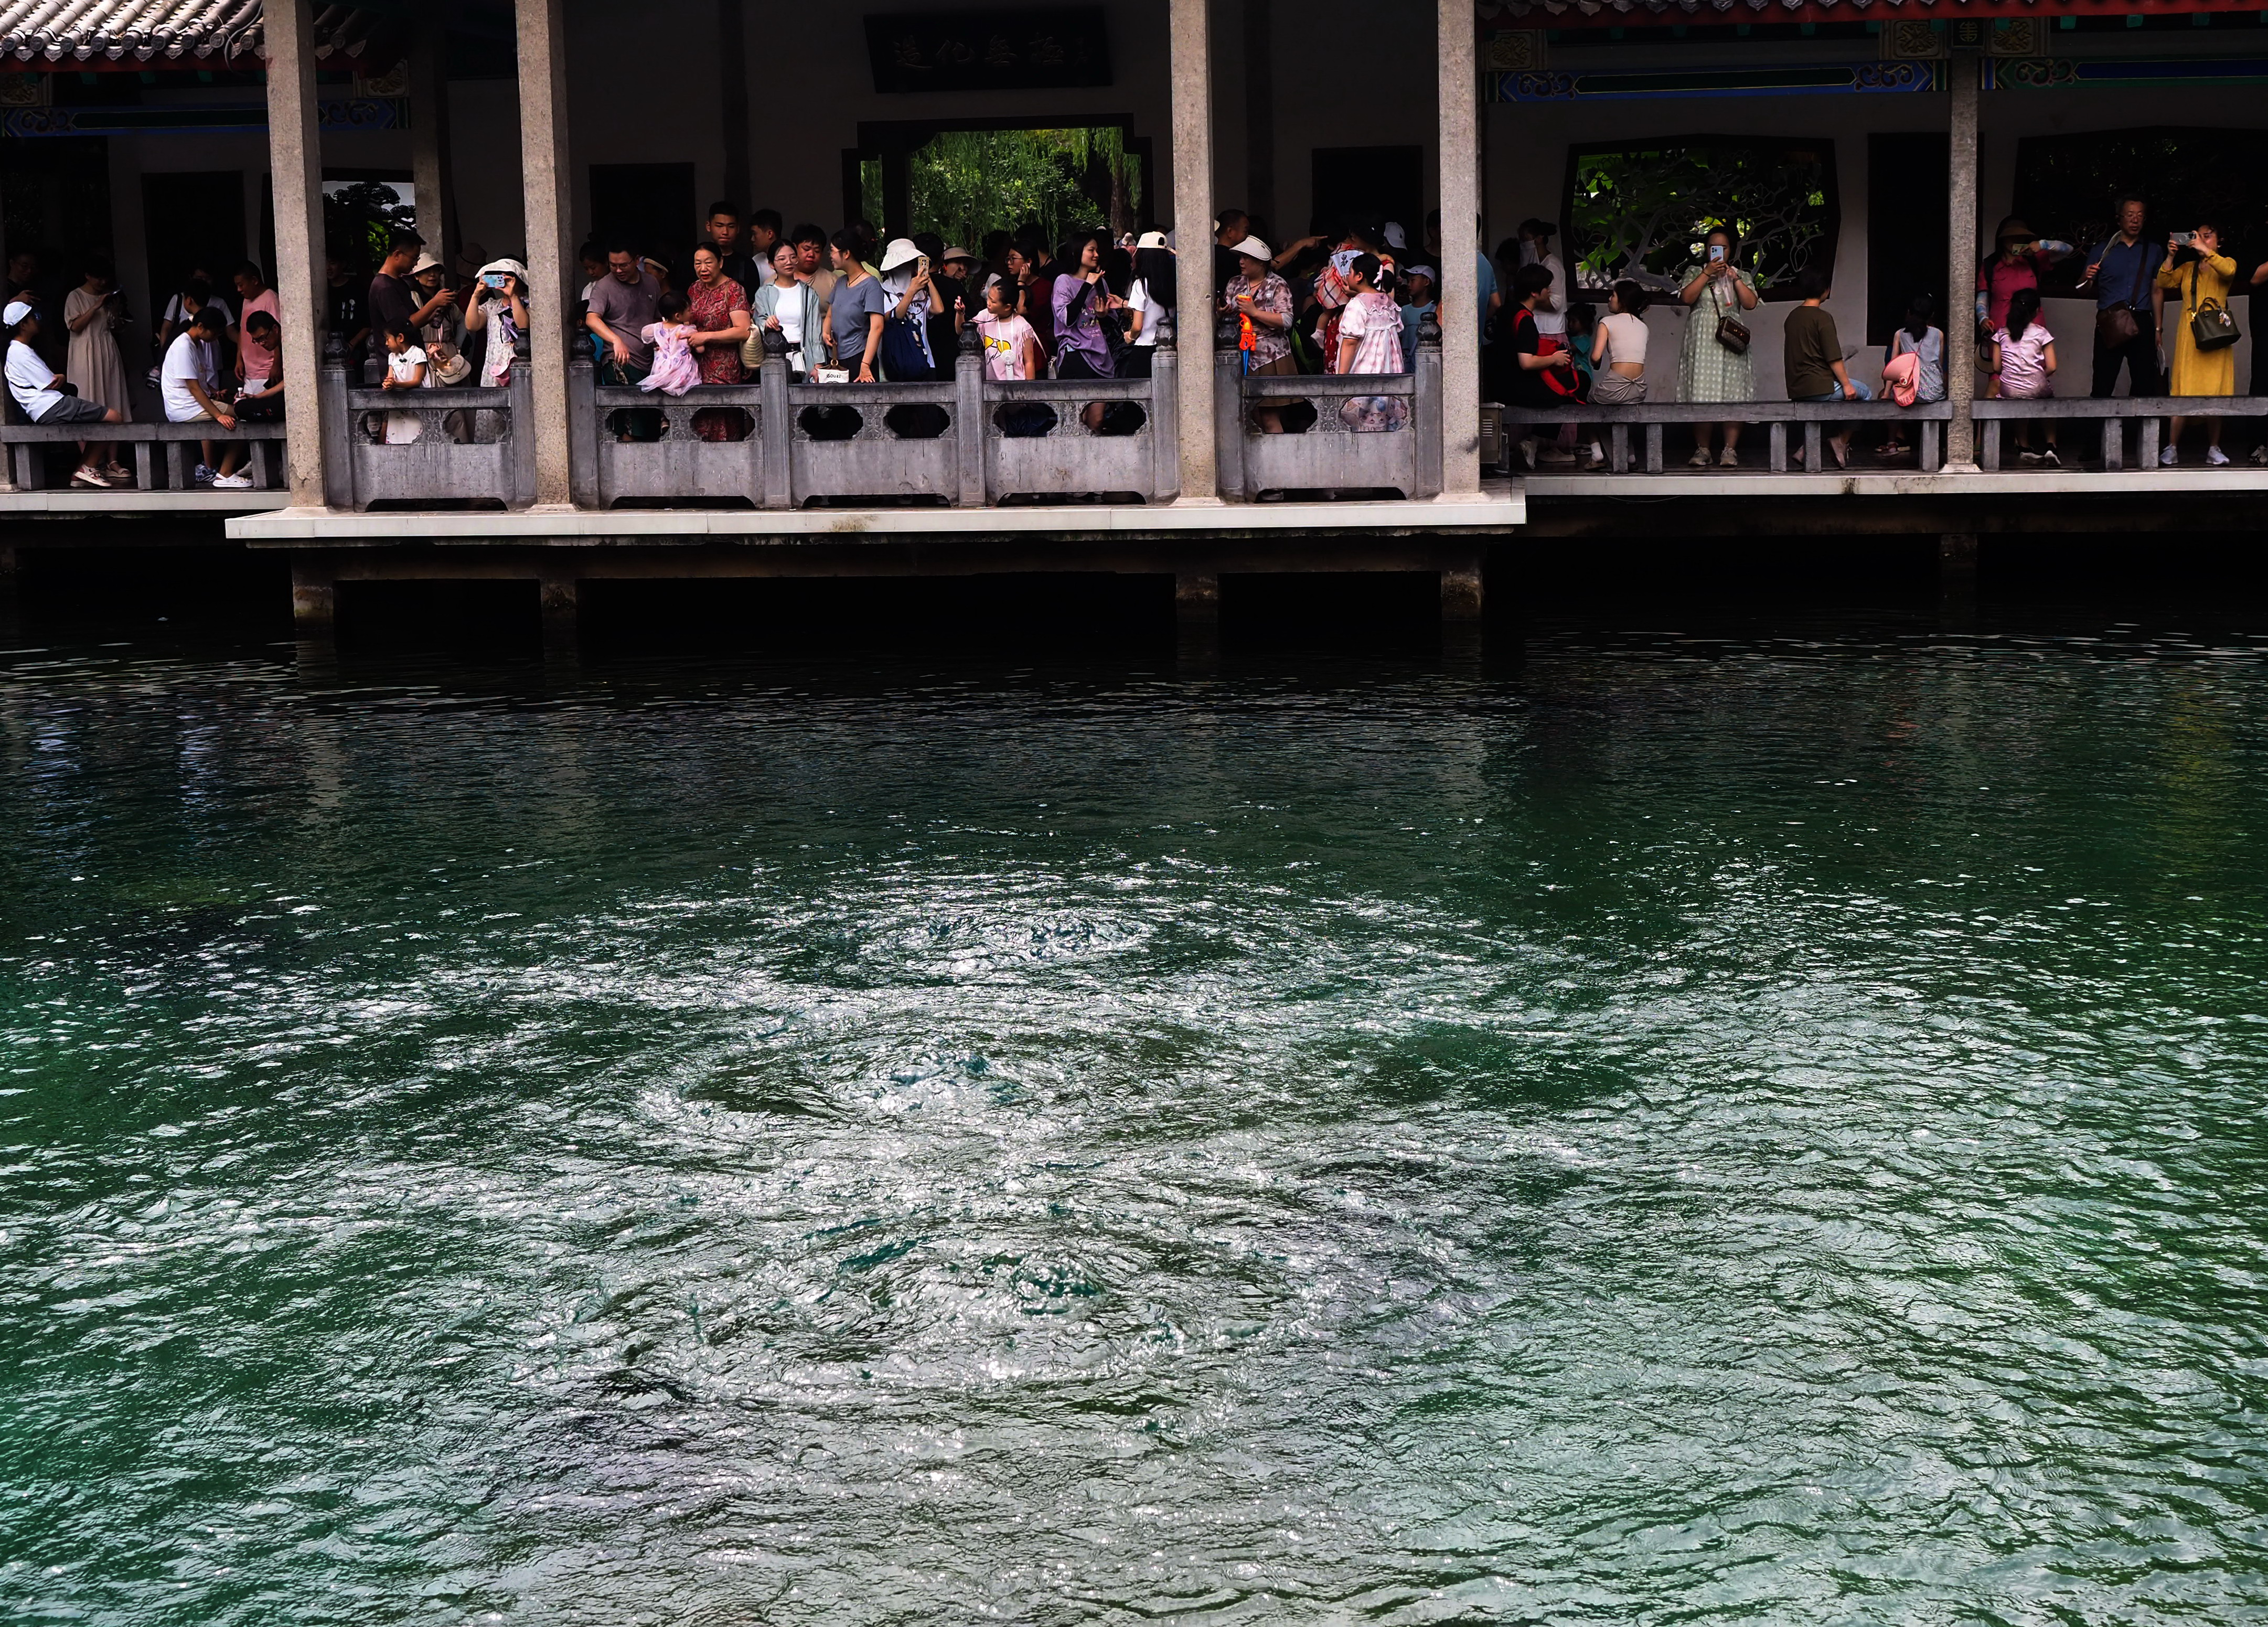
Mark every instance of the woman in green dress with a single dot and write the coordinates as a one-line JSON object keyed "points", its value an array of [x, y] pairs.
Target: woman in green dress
{"points": [[1708, 370]]}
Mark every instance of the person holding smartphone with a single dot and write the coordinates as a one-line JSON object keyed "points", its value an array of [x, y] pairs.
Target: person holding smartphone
{"points": [[1720, 295], [499, 311], [94, 312]]}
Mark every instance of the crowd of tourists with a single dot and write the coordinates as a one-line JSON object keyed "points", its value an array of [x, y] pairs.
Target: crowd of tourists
{"points": [[1549, 349], [851, 307]]}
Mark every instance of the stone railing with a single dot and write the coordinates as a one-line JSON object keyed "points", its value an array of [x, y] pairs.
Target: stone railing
{"points": [[964, 442], [2147, 413], [469, 447], [164, 454], [1813, 420], [1361, 433], [640, 446]]}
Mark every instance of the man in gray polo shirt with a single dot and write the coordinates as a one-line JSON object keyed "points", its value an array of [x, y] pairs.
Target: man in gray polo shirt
{"points": [[621, 309]]}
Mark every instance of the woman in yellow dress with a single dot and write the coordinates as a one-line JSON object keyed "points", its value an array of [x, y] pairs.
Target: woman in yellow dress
{"points": [[2201, 274]]}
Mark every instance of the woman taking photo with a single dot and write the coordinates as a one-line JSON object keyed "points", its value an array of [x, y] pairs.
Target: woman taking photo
{"points": [[1713, 365], [499, 314], [2201, 274]]}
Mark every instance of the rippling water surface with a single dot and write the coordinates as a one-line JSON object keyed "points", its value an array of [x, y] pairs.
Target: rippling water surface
{"points": [[1765, 1132]]}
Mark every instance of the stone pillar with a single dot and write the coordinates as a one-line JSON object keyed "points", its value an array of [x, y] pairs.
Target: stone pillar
{"points": [[429, 134], [294, 155], [545, 181], [1461, 241], [1961, 274], [1191, 42]]}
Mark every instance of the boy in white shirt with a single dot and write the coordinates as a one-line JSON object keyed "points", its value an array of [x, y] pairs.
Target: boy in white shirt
{"points": [[189, 382], [34, 385]]}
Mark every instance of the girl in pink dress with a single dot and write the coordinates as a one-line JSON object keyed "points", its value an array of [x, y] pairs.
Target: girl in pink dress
{"points": [[675, 370]]}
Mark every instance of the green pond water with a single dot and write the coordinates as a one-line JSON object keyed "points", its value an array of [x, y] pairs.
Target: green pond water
{"points": [[1760, 1131]]}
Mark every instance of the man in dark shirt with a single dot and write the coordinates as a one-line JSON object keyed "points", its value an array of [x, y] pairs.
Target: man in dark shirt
{"points": [[2124, 274], [765, 230], [346, 326], [723, 236], [393, 301], [1813, 362], [1232, 227]]}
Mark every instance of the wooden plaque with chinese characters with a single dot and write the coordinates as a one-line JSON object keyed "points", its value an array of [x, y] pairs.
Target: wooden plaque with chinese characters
{"points": [[1045, 49]]}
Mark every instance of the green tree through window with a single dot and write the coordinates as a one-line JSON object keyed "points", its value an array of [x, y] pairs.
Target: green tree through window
{"points": [[965, 183], [1644, 212]]}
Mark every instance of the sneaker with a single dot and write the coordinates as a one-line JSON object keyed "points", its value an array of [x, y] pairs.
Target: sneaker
{"points": [[1555, 456], [1700, 458], [2169, 457], [2215, 456], [203, 476], [89, 477], [2029, 457], [232, 482], [1728, 458], [2050, 458], [120, 475]]}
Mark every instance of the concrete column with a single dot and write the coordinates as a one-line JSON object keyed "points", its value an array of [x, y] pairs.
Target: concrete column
{"points": [[556, 599], [546, 182], [428, 133], [1190, 41], [1461, 591], [295, 155], [1197, 600], [1956, 580], [1461, 241], [1197, 620], [1961, 273], [314, 597]]}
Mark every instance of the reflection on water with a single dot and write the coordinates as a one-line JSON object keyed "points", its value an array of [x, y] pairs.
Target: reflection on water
{"points": [[1691, 1129]]}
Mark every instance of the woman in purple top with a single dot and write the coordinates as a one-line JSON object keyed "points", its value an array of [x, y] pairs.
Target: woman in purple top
{"points": [[1082, 351]]}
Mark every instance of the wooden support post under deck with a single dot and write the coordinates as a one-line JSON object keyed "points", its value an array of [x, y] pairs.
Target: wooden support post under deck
{"points": [[546, 187], [295, 161], [1461, 243], [1189, 37], [1960, 277]]}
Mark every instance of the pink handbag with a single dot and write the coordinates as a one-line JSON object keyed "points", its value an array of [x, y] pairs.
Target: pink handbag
{"points": [[1902, 374]]}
